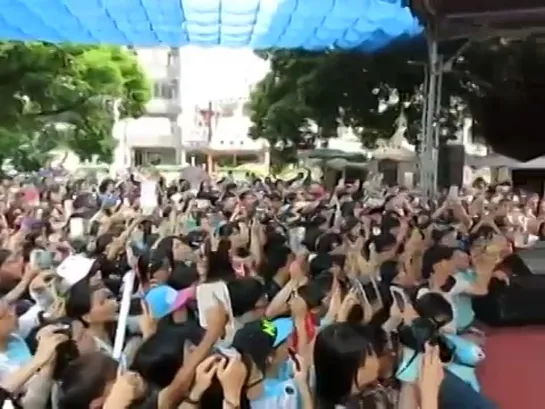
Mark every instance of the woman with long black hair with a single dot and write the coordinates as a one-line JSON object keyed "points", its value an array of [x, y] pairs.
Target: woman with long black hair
{"points": [[347, 369]]}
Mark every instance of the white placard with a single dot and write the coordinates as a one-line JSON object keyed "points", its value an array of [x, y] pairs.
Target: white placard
{"points": [[76, 228], [121, 330], [148, 197], [74, 268]]}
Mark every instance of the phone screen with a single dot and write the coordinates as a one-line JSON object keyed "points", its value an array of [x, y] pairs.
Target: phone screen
{"points": [[34, 254], [41, 259], [399, 299], [135, 307], [228, 353], [76, 227], [372, 293], [360, 291]]}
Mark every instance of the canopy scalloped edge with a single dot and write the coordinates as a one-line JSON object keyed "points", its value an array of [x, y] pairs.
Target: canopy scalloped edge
{"points": [[310, 24]]}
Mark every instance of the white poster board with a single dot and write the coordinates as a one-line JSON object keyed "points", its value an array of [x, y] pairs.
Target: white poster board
{"points": [[148, 197]]}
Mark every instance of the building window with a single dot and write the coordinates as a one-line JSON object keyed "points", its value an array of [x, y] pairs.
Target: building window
{"points": [[138, 157], [154, 156], [175, 87], [165, 89], [172, 56]]}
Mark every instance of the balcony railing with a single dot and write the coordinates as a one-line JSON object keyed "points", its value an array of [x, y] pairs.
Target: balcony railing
{"points": [[163, 107]]}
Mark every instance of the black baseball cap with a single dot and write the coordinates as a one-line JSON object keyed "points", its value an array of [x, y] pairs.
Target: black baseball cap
{"points": [[328, 242], [256, 341], [158, 263]]}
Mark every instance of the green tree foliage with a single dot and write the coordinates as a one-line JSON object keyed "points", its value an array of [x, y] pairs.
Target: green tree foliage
{"points": [[368, 92], [64, 96], [307, 95], [508, 73]]}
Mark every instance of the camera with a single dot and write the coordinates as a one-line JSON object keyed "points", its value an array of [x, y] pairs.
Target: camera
{"points": [[420, 332], [424, 331], [67, 351]]}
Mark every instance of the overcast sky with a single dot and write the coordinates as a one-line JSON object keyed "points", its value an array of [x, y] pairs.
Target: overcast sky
{"points": [[218, 73]]}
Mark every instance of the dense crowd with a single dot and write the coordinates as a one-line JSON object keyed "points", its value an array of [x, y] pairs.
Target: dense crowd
{"points": [[262, 293]]}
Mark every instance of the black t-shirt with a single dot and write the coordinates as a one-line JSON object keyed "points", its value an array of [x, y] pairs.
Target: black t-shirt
{"points": [[388, 271], [454, 393], [321, 262], [189, 329]]}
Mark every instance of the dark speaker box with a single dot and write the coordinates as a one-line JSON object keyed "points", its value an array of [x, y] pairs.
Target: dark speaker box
{"points": [[509, 115], [509, 125], [450, 165], [528, 261], [521, 302]]}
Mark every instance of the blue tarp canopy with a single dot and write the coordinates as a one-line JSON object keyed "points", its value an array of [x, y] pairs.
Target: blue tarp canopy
{"points": [[311, 24]]}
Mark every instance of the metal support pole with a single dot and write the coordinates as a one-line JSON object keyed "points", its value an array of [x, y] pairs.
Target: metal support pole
{"points": [[438, 97], [421, 156], [437, 116], [210, 133], [428, 143]]}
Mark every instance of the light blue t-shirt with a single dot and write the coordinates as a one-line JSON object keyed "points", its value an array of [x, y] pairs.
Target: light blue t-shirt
{"points": [[277, 394], [464, 307], [15, 356], [190, 224], [108, 200], [409, 369], [285, 372]]}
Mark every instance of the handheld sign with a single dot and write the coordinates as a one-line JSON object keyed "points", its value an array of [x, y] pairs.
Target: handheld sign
{"points": [[148, 197], [208, 296], [121, 330]]}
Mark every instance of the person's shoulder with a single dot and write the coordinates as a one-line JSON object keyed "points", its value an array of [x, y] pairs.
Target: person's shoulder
{"points": [[454, 393], [466, 275]]}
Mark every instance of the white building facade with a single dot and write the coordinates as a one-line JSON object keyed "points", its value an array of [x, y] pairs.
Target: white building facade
{"points": [[216, 134], [196, 114], [155, 138]]}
